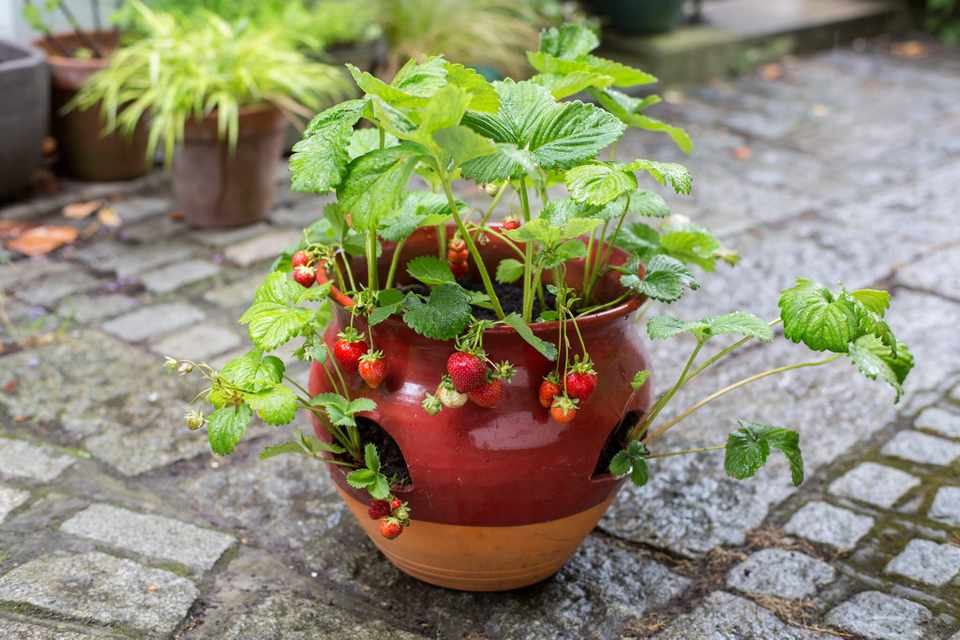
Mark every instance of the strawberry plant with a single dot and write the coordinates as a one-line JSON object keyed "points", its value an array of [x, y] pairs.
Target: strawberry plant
{"points": [[607, 242]]}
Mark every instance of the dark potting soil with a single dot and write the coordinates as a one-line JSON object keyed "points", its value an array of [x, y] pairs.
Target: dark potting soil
{"points": [[615, 442], [511, 299], [392, 463]]}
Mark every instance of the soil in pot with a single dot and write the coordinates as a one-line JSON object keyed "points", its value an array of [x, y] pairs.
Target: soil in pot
{"points": [[217, 186], [511, 299], [84, 152], [392, 463]]}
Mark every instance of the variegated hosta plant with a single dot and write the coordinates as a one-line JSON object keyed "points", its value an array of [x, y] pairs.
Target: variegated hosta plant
{"points": [[393, 155]]}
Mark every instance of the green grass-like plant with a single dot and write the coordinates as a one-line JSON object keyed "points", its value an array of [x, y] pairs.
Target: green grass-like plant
{"points": [[185, 68]]}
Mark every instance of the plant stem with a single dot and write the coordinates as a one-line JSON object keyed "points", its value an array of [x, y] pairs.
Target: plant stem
{"points": [[471, 247], [496, 234], [600, 307], [77, 29], [527, 255], [589, 277], [723, 353], [662, 401], [394, 260], [601, 264], [684, 452], [496, 201], [343, 383], [588, 261], [372, 275], [731, 387], [297, 385], [346, 264], [338, 273]]}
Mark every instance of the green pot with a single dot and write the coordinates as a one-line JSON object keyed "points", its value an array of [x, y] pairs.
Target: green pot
{"points": [[641, 16]]}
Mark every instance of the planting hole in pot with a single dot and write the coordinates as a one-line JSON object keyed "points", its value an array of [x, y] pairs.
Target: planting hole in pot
{"points": [[615, 442], [392, 463]]}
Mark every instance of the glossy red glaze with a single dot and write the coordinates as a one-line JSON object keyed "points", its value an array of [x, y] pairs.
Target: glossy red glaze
{"points": [[506, 466]]}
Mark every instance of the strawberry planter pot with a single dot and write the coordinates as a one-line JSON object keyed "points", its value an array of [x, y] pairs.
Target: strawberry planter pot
{"points": [[23, 119], [216, 186], [500, 498], [84, 151]]}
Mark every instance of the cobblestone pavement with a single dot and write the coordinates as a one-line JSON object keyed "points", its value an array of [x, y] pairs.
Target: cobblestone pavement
{"points": [[115, 522]]}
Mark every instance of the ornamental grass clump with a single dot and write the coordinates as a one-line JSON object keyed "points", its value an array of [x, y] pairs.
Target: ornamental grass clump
{"points": [[606, 243]]}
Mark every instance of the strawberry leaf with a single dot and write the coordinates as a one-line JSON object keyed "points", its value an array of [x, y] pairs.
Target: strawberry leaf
{"points": [[569, 41], [319, 160], [877, 361], [509, 270], [664, 280], [380, 489], [628, 109], [371, 458], [565, 85], [418, 209], [463, 144], [253, 371], [226, 426], [276, 406], [443, 316], [666, 173], [738, 322], [375, 183], [599, 183], [430, 270], [361, 478], [547, 349], [748, 449], [639, 379], [818, 318]]}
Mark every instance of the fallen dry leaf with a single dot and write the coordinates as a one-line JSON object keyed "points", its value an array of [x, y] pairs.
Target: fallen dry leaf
{"points": [[771, 71], [81, 210], [176, 215], [742, 153], [13, 229], [108, 217], [42, 240], [910, 49]]}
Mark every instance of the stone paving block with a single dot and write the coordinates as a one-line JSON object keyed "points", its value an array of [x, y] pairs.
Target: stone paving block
{"points": [[198, 342], [88, 308], [13, 630], [46, 292], [944, 422], [148, 446], [30, 270], [723, 616], [300, 215], [260, 248], [237, 294], [95, 587], [946, 506], [176, 275], [829, 525], [153, 229], [151, 321], [877, 616], [140, 208], [919, 447], [781, 573], [152, 536], [927, 562], [939, 272], [227, 237], [128, 260], [10, 499], [21, 459], [876, 484]]}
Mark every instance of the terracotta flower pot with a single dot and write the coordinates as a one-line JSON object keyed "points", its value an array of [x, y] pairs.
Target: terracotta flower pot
{"points": [[500, 498], [84, 151], [219, 187]]}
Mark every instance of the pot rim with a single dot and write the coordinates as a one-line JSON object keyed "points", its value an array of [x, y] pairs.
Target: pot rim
{"points": [[103, 37], [627, 307]]}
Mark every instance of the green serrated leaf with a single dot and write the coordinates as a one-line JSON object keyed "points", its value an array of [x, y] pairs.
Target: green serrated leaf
{"points": [[690, 244], [253, 371], [272, 325], [443, 317], [509, 270], [226, 426], [741, 323], [565, 85], [748, 449], [569, 41], [273, 451], [276, 406], [639, 379], [380, 489], [547, 349], [639, 474], [463, 144], [320, 159], [359, 405], [818, 318], [622, 75], [371, 458], [547, 232], [361, 478], [418, 209], [482, 95], [628, 110], [666, 173], [663, 327], [363, 141], [599, 183], [374, 184], [621, 464], [876, 300], [877, 361], [665, 279], [430, 270]]}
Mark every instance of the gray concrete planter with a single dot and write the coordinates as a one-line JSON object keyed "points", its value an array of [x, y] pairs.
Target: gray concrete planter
{"points": [[24, 110]]}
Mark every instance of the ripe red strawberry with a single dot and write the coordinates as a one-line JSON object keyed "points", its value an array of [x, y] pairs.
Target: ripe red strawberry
{"points": [[300, 259], [510, 224], [395, 504], [455, 256], [581, 380], [487, 395], [379, 509], [372, 368], [390, 528], [459, 269], [549, 389], [467, 371], [563, 409], [348, 349], [305, 276], [457, 245]]}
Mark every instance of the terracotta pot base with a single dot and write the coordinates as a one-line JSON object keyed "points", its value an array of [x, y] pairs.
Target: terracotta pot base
{"points": [[481, 558]]}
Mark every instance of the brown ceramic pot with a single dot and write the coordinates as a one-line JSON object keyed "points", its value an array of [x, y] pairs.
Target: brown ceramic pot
{"points": [[219, 187], [500, 498], [85, 152]]}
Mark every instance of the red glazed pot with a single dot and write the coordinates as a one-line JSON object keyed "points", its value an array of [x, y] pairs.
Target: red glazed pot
{"points": [[500, 498]]}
